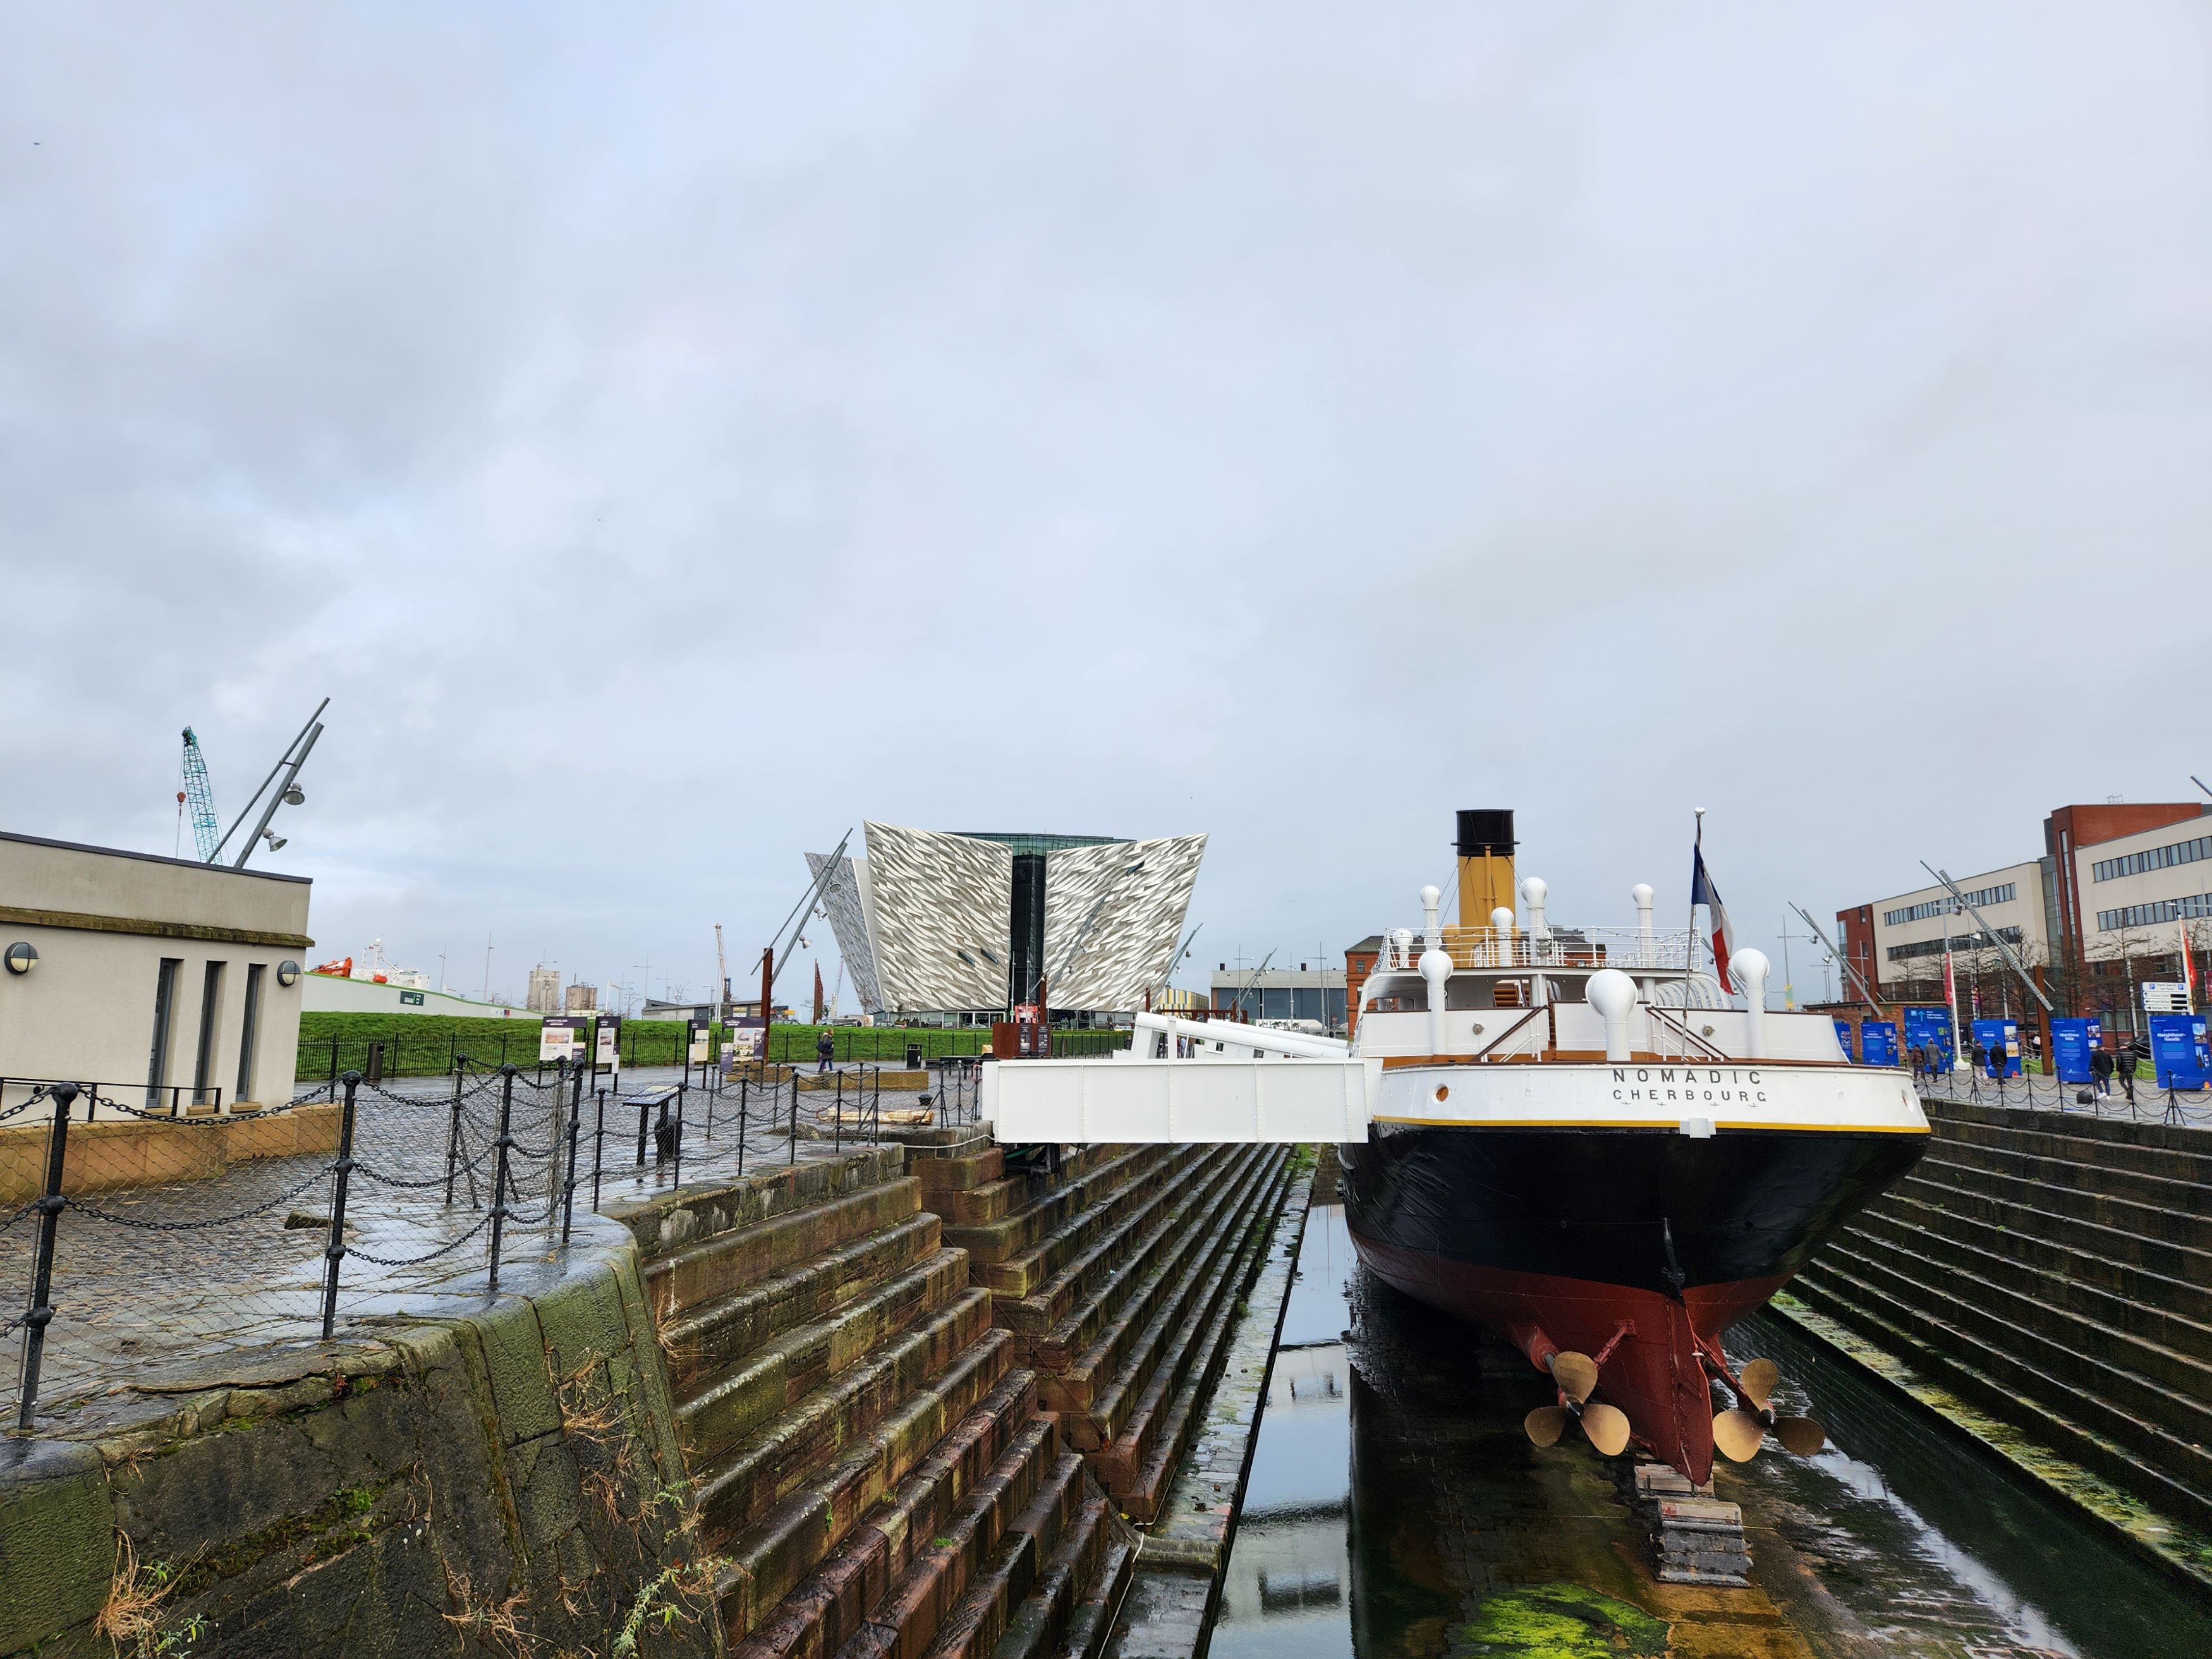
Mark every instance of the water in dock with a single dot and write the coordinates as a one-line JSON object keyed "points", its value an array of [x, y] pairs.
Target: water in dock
{"points": [[1395, 1507]]}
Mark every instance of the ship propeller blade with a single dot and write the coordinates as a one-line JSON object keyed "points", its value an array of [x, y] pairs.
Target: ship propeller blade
{"points": [[1576, 1373], [1759, 1378], [1545, 1425], [1801, 1436], [1606, 1427], [1739, 1434]]}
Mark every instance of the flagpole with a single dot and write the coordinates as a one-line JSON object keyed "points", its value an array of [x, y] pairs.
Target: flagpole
{"points": [[1690, 945]]}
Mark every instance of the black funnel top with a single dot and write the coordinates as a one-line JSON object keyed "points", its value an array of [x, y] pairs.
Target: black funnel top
{"points": [[1486, 830]]}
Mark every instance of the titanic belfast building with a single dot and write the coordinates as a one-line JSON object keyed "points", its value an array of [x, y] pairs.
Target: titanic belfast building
{"points": [[959, 928]]}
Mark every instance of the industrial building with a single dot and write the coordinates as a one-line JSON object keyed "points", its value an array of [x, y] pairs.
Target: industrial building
{"points": [[960, 927], [1302, 993], [2120, 893]]}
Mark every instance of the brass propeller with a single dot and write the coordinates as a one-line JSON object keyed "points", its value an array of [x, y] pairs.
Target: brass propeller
{"points": [[1760, 1379], [1606, 1427], [1739, 1434], [1576, 1373], [1800, 1436], [1545, 1425]]}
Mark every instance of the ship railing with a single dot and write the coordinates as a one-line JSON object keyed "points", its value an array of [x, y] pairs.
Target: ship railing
{"points": [[1630, 949]]}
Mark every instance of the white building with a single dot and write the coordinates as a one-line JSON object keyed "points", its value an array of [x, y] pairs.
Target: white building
{"points": [[2140, 893], [335, 993], [153, 978], [1299, 993], [544, 996], [1910, 929]]}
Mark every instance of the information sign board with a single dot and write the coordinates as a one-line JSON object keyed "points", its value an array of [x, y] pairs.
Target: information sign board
{"points": [[698, 1049], [606, 1050], [561, 1037], [1843, 1037], [2178, 1056], [2161, 996], [1923, 1025], [1878, 1041], [2073, 1041], [1991, 1032]]}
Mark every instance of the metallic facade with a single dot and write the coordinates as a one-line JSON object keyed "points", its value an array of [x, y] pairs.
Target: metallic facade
{"points": [[924, 920]]}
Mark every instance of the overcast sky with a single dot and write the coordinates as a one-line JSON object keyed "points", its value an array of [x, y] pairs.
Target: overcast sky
{"points": [[672, 436]]}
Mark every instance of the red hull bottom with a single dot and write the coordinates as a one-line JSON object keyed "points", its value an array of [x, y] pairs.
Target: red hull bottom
{"points": [[1654, 1372]]}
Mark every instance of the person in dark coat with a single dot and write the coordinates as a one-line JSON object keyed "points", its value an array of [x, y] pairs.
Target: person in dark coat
{"points": [[825, 1052], [1998, 1058], [2100, 1070]]}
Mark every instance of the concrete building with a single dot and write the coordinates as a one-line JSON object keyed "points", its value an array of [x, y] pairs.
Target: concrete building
{"points": [[335, 993], [1300, 993], [2120, 893], [156, 979], [544, 995], [581, 999]]}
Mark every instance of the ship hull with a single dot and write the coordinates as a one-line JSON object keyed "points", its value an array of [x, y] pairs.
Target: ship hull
{"points": [[1645, 1242]]}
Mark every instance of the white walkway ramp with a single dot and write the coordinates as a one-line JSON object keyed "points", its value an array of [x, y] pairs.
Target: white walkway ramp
{"points": [[1128, 1099]]}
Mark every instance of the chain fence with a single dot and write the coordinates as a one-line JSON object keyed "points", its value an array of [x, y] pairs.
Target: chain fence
{"points": [[138, 1241], [2123, 1096]]}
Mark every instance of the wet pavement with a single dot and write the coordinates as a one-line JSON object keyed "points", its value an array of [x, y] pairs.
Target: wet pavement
{"points": [[1395, 1507]]}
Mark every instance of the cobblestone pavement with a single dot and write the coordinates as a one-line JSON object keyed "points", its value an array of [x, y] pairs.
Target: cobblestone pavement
{"points": [[148, 1281], [2183, 1109]]}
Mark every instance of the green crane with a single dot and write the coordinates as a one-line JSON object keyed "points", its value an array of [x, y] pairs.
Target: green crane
{"points": [[199, 795]]}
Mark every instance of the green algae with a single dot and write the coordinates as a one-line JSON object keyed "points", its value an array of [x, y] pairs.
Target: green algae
{"points": [[1563, 1621]]}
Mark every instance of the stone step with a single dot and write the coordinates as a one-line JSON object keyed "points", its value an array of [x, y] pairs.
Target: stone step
{"points": [[1090, 1620], [821, 1613], [739, 1486], [820, 1505], [2045, 1272], [1141, 1460], [990, 1242], [1932, 1186], [2181, 1154], [1044, 1621], [729, 1405], [2084, 1429], [2158, 1192], [2118, 1155], [2143, 1378], [728, 1262], [1097, 1386], [958, 1173], [666, 1223], [977, 1621], [1023, 1275], [907, 1619], [2143, 1220], [1068, 1308], [718, 1334]]}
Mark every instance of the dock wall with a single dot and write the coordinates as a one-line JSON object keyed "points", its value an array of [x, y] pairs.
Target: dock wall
{"points": [[2054, 1273]]}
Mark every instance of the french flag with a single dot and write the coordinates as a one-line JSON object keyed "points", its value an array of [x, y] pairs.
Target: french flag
{"points": [[1702, 891]]}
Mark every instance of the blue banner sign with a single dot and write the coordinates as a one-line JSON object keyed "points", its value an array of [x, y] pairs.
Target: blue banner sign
{"points": [[1878, 1041], [1925, 1025], [1989, 1033], [2072, 1042], [2177, 1053], [1843, 1037]]}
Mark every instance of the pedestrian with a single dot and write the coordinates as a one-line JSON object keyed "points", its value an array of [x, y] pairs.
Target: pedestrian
{"points": [[1981, 1056], [2126, 1067], [825, 1052], [1998, 1059], [2100, 1070]]}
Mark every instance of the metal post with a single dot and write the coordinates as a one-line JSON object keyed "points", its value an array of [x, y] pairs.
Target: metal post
{"points": [[453, 1135], [642, 1108], [876, 1111], [598, 1145], [794, 1114], [499, 1179], [837, 1123], [334, 1068], [575, 1124], [682, 1089], [742, 1082], [50, 1204], [334, 1252]]}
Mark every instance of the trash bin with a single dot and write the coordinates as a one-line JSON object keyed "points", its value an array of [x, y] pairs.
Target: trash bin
{"points": [[375, 1069], [913, 1056]]}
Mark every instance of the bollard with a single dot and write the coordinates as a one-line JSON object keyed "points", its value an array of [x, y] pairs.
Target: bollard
{"points": [[741, 1128], [681, 1090], [499, 1178], [838, 1122], [51, 1205], [794, 1114], [642, 1110], [334, 1252]]}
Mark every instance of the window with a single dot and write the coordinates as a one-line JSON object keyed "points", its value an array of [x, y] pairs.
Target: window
{"points": [[1397, 993], [1934, 947], [2152, 858], [250, 1030], [2186, 908], [2004, 893], [210, 1011], [165, 1004]]}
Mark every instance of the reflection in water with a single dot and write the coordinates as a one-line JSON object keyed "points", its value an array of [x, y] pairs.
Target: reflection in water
{"points": [[1395, 1507]]}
